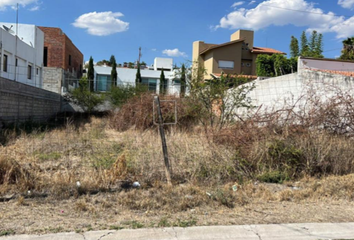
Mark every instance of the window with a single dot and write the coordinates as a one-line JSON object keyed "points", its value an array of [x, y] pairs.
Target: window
{"points": [[69, 60], [151, 83], [248, 64], [5, 63], [226, 64], [16, 62], [29, 72], [45, 57], [37, 71]]}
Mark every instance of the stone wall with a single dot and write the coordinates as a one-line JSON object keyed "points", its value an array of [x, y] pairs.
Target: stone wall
{"points": [[20, 102], [53, 79]]}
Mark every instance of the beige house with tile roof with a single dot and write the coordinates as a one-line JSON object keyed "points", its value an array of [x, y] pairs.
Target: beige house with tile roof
{"points": [[235, 57]]}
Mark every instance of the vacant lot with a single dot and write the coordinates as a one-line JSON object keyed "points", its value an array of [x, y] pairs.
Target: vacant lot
{"points": [[78, 177]]}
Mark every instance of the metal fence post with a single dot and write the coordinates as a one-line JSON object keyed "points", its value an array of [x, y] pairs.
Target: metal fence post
{"points": [[163, 140]]}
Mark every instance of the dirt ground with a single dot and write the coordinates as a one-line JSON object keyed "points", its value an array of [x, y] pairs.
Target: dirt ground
{"points": [[40, 216], [51, 163]]}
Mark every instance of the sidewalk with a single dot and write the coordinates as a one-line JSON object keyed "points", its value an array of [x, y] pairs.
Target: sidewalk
{"points": [[306, 231]]}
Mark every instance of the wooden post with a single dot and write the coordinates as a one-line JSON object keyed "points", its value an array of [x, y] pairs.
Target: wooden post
{"points": [[163, 140]]}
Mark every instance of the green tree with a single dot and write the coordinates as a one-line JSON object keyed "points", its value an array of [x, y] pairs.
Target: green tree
{"points": [[112, 60], [103, 62], [217, 100], [86, 98], [314, 47], [138, 79], [265, 65], [294, 47], [313, 42], [275, 65], [183, 80], [348, 49], [114, 74], [162, 83], [91, 74], [319, 46], [304, 45]]}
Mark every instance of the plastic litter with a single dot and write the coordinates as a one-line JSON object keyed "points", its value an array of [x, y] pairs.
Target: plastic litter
{"points": [[136, 185]]}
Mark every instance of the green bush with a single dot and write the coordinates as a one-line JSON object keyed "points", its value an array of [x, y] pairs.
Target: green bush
{"points": [[121, 94], [85, 98]]}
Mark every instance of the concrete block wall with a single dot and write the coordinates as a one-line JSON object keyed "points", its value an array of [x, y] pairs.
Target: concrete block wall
{"points": [[20, 102], [53, 79]]}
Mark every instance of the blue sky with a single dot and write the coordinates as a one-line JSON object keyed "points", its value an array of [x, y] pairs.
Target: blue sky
{"points": [[165, 28]]}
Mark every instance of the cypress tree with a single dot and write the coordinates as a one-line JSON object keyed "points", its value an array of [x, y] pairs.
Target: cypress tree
{"points": [[304, 45], [114, 74], [319, 46], [313, 43], [183, 80], [112, 60], [138, 79], [91, 74], [162, 83], [294, 47]]}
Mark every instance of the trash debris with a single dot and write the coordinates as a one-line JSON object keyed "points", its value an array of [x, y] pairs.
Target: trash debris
{"points": [[234, 188], [209, 194], [136, 185], [78, 184]]}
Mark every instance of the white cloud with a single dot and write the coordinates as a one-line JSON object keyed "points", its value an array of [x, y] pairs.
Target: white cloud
{"points": [[346, 3], [236, 4], [35, 8], [12, 3], [102, 23], [154, 49], [252, 2], [272, 13], [174, 53]]}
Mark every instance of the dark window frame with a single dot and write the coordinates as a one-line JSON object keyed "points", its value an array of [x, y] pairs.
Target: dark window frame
{"points": [[29, 72], [5, 63]]}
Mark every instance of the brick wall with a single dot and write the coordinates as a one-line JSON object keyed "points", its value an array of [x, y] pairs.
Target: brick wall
{"points": [[54, 41], [20, 102], [60, 47]]}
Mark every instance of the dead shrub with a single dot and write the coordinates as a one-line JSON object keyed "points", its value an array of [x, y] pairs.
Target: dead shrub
{"points": [[12, 173], [137, 112]]}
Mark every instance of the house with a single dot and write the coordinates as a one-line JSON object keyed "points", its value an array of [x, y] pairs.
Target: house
{"points": [[62, 60], [150, 76], [235, 57], [21, 53]]}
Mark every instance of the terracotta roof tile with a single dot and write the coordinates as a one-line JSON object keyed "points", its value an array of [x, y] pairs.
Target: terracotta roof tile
{"points": [[237, 75], [344, 73], [265, 50]]}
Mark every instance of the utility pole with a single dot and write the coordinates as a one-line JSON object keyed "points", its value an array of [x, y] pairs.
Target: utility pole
{"points": [[139, 55]]}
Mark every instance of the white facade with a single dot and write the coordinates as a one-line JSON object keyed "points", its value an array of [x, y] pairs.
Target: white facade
{"points": [[163, 63], [127, 76], [22, 56]]}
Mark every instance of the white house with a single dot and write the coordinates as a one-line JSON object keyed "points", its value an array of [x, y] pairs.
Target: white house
{"points": [[151, 78], [21, 56]]}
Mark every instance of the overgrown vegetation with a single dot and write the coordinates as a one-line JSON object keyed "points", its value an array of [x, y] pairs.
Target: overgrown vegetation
{"points": [[275, 65], [85, 97]]}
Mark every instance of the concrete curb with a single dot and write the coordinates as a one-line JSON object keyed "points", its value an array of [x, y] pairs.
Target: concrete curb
{"points": [[305, 231]]}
